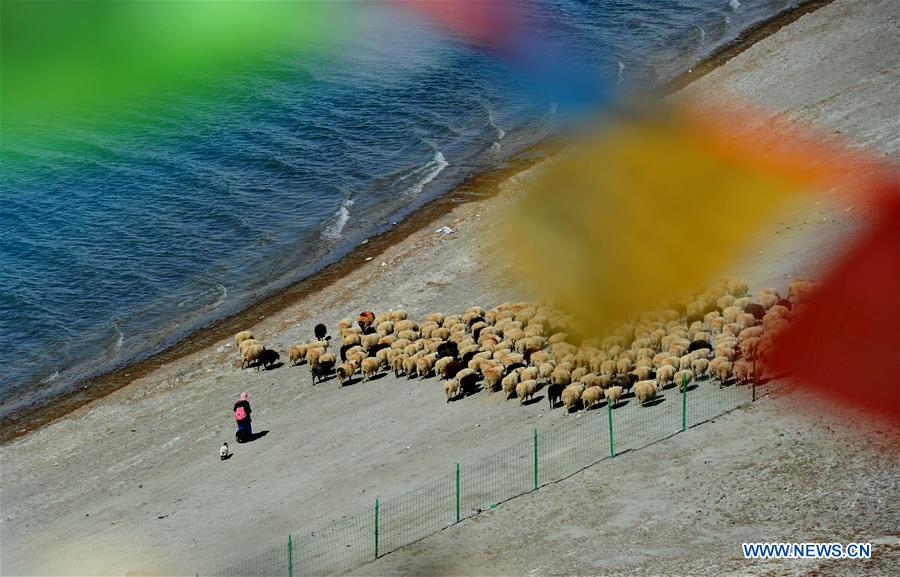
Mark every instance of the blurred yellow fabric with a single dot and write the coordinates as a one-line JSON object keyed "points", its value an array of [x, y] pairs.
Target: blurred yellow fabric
{"points": [[647, 210]]}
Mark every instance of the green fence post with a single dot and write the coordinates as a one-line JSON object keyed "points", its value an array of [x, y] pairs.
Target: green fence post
{"points": [[684, 402], [535, 460], [290, 557], [457, 492], [612, 450], [376, 527]]}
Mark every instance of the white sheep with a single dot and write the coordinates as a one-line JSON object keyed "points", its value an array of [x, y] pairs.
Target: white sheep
{"points": [[370, 366], [644, 391], [242, 336], [525, 390], [613, 394], [589, 396]]}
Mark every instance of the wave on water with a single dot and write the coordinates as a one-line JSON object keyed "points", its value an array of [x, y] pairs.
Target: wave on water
{"points": [[734, 4], [120, 336], [425, 174], [339, 220], [620, 77]]}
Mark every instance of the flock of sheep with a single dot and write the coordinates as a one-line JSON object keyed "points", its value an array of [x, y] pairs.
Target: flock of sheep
{"points": [[521, 348]]}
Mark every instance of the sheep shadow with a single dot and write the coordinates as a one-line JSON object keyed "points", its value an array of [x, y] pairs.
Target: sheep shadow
{"points": [[667, 386], [692, 387], [654, 401], [621, 404], [325, 380], [277, 365], [226, 457], [594, 406], [377, 376], [351, 381], [533, 400]]}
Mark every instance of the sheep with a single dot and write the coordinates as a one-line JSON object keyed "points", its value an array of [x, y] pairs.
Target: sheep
{"points": [[405, 325], [401, 344], [743, 372], [570, 396], [528, 374], [467, 379], [590, 396], [748, 347], [736, 287], [608, 367], [642, 373], [509, 382], [723, 369], [699, 367], [452, 389], [247, 343], [351, 340], [545, 371], [356, 354], [731, 313], [493, 374], [424, 366], [297, 354], [370, 366], [560, 376], [385, 328], [448, 349], [554, 394], [682, 378], [577, 373], [525, 390], [767, 301], [437, 318], [345, 372], [644, 391], [242, 336], [268, 358], [398, 364], [369, 341], [324, 367], [384, 356], [613, 394], [408, 334], [409, 366], [726, 352], [251, 354], [398, 315]]}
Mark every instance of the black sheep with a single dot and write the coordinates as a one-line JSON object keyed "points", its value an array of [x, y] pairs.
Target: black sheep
{"points": [[322, 370], [554, 394], [757, 310], [321, 332], [467, 384], [448, 349], [267, 358], [697, 345]]}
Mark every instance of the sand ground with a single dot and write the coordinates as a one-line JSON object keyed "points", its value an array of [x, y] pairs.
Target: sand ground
{"points": [[132, 484]]}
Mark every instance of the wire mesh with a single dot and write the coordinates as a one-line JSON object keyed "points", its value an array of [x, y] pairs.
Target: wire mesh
{"points": [[417, 514], [712, 398], [636, 426], [498, 478], [337, 548], [273, 562], [580, 441]]}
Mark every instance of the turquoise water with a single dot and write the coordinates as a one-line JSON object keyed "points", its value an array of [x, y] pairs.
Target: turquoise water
{"points": [[118, 238]]}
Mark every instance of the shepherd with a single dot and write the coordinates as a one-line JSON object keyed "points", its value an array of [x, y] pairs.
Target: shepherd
{"points": [[242, 418]]}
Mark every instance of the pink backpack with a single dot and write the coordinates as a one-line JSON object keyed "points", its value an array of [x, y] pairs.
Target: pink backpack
{"points": [[240, 414]]}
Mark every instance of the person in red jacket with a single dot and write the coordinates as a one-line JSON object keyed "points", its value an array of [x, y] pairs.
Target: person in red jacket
{"points": [[242, 417]]}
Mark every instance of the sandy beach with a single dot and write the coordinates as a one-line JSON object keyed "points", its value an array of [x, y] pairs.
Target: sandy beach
{"points": [[131, 483]]}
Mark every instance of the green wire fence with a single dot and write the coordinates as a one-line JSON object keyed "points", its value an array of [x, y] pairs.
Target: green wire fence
{"points": [[467, 490]]}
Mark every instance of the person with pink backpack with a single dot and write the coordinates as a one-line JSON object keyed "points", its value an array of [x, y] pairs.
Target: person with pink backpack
{"points": [[242, 418]]}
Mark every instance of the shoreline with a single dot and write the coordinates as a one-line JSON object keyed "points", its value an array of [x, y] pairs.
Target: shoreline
{"points": [[480, 186]]}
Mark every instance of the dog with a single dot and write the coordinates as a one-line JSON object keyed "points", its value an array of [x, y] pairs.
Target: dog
{"points": [[223, 451]]}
